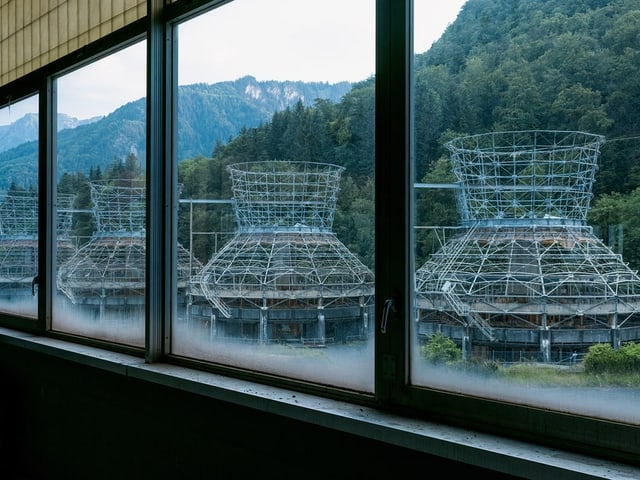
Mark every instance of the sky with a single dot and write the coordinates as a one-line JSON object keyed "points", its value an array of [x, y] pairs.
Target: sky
{"points": [[329, 41]]}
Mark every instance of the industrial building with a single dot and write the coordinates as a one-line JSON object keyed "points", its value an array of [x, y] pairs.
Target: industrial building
{"points": [[527, 279], [87, 406], [285, 276], [106, 276]]}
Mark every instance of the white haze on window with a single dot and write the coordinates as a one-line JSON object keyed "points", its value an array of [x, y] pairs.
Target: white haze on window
{"points": [[26, 306], [94, 304], [18, 231], [617, 404], [282, 40], [348, 366], [117, 328]]}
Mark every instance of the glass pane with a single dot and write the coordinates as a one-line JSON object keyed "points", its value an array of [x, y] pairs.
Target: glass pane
{"points": [[526, 283], [19, 207], [101, 199], [275, 160]]}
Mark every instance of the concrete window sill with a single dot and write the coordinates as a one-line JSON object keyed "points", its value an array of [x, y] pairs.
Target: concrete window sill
{"points": [[456, 444]]}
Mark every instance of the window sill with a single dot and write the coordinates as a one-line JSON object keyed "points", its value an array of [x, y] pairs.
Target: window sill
{"points": [[451, 443]]}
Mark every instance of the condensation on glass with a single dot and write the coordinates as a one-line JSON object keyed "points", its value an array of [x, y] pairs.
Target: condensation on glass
{"points": [[19, 209], [520, 279], [100, 202], [265, 281]]}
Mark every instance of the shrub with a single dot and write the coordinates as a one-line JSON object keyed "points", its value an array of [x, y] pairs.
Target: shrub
{"points": [[440, 349], [603, 358]]}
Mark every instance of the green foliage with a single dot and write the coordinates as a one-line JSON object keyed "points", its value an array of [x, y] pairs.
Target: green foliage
{"points": [[123, 172], [83, 222], [210, 114], [502, 65], [604, 359], [435, 208], [557, 64], [440, 349], [204, 178], [530, 373], [324, 133], [618, 210]]}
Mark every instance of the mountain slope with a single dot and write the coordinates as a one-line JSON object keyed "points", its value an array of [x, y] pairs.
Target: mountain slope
{"points": [[25, 129], [208, 114]]}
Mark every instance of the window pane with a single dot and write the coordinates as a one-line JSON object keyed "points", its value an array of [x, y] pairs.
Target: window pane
{"points": [[101, 199], [275, 157], [526, 283], [19, 207]]}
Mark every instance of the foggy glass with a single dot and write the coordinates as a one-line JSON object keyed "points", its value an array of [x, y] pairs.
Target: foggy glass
{"points": [[512, 286], [19, 210], [265, 279], [100, 200]]}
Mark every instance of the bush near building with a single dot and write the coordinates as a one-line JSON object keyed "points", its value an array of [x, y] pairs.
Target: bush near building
{"points": [[603, 358]]}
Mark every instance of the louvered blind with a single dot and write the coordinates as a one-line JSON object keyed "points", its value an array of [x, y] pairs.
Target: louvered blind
{"points": [[34, 33]]}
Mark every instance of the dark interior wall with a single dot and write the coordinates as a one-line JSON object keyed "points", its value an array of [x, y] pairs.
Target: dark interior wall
{"points": [[62, 420]]}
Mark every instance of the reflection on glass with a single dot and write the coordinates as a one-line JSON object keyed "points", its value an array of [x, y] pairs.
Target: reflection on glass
{"points": [[275, 177], [19, 207], [101, 200], [516, 296]]}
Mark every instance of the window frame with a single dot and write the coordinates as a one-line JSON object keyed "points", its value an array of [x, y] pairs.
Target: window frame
{"points": [[23, 90], [548, 427], [393, 169]]}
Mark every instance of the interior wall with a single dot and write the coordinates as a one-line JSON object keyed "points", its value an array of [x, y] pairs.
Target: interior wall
{"points": [[62, 420]]}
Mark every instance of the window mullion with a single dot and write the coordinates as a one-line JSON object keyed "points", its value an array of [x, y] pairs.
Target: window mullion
{"points": [[157, 264], [393, 175], [47, 123]]}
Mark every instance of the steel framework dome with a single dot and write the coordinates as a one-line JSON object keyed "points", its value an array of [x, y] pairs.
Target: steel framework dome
{"points": [[527, 271], [110, 268], [284, 264]]}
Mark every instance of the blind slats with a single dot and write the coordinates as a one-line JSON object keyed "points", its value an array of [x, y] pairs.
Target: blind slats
{"points": [[34, 33]]}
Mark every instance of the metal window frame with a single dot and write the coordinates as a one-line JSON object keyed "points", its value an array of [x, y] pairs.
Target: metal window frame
{"points": [[393, 393]]}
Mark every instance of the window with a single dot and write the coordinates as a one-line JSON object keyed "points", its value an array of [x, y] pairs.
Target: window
{"points": [[515, 290], [448, 229], [19, 208], [101, 199], [275, 231]]}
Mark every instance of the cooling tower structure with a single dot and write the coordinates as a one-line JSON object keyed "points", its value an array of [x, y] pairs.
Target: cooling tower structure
{"points": [[527, 277], [19, 240], [108, 273], [285, 276], [18, 243]]}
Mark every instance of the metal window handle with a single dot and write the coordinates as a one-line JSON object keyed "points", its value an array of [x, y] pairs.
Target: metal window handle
{"points": [[34, 282], [389, 306]]}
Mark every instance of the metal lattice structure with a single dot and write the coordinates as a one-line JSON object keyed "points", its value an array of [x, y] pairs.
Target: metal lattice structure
{"points": [[527, 272], [18, 241], [110, 269], [19, 238], [525, 177], [285, 268]]}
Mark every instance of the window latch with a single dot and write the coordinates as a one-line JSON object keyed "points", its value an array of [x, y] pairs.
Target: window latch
{"points": [[389, 306], [34, 282]]}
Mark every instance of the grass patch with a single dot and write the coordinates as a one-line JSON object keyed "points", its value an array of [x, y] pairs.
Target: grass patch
{"points": [[565, 376]]}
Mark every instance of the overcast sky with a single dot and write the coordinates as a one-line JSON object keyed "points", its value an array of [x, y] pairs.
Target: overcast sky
{"points": [[329, 40]]}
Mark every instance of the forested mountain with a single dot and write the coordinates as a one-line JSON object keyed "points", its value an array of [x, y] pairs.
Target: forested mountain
{"points": [[208, 114], [542, 64], [537, 64], [502, 65], [25, 129]]}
